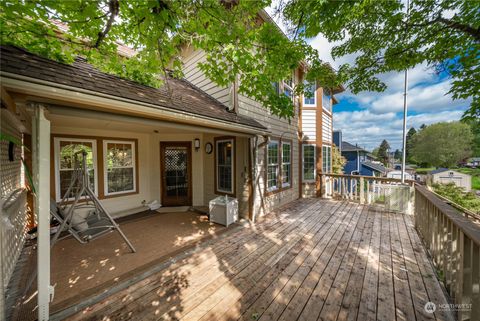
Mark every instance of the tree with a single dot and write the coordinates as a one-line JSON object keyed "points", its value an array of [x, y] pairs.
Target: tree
{"points": [[338, 161], [443, 144], [408, 144], [398, 154], [475, 127], [237, 46], [444, 34], [383, 152]]}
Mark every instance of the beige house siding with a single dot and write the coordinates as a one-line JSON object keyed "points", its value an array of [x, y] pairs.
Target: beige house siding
{"points": [[279, 128]]}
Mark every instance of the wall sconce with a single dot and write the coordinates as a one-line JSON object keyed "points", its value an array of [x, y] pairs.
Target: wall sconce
{"points": [[196, 144]]}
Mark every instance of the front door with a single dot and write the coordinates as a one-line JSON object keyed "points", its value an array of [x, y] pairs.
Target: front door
{"points": [[176, 173]]}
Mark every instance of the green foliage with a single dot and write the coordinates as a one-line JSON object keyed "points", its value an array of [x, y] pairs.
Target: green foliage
{"points": [[456, 194], [338, 161], [408, 144], [229, 32], [442, 144], [398, 154], [383, 152], [384, 38], [424, 170], [475, 173], [474, 124]]}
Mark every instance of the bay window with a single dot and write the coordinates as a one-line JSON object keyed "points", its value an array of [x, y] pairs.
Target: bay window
{"points": [[327, 159], [327, 99], [309, 166], [119, 167], [310, 94]]}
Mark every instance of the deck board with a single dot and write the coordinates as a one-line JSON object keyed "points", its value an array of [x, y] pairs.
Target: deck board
{"points": [[311, 260]]}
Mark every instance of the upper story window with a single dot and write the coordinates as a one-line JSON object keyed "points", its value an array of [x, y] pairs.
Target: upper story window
{"points": [[66, 150], [288, 87], [327, 99], [276, 86], [309, 168], [224, 152], [119, 167], [310, 94]]}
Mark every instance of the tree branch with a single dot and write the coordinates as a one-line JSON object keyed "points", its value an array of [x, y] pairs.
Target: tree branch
{"points": [[114, 8], [475, 33]]}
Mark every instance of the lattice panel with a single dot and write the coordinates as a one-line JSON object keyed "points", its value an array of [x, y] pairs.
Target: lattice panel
{"points": [[13, 234]]}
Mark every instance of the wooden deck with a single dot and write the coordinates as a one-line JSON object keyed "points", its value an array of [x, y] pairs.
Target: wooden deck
{"points": [[312, 260]]}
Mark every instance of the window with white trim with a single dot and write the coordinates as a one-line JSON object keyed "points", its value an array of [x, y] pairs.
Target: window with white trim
{"points": [[65, 151], [327, 99], [119, 167], [273, 166], [309, 166], [224, 151], [286, 164], [310, 94], [327, 159], [288, 87]]}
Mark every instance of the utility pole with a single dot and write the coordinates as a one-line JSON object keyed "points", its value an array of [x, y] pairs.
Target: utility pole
{"points": [[405, 110]]}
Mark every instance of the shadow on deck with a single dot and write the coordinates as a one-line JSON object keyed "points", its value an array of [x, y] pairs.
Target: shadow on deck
{"points": [[310, 260]]}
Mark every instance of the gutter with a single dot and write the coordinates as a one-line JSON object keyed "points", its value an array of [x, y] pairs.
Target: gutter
{"points": [[113, 104]]}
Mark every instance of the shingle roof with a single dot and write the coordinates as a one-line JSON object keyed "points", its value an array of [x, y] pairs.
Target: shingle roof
{"points": [[375, 167], [439, 170], [347, 147], [182, 96]]}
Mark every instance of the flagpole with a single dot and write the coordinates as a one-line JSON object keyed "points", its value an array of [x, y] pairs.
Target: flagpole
{"points": [[405, 110]]}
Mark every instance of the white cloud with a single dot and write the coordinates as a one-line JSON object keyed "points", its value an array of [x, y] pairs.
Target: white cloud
{"points": [[368, 129]]}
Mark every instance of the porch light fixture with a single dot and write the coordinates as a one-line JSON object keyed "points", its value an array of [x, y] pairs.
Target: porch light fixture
{"points": [[196, 144]]}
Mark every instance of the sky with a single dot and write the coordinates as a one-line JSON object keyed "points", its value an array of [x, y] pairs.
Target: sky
{"points": [[369, 117]]}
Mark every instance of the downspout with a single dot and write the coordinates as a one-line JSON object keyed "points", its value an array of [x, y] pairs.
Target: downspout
{"points": [[253, 157]]}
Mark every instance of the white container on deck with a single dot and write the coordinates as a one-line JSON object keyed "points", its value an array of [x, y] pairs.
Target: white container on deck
{"points": [[224, 210]]}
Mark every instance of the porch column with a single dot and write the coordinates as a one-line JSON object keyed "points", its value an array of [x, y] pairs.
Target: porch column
{"points": [[41, 173]]}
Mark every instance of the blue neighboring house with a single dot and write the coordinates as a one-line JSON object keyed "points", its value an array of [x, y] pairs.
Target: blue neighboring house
{"points": [[359, 160]]}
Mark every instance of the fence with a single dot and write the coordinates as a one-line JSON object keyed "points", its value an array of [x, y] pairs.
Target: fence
{"points": [[454, 244], [387, 192]]}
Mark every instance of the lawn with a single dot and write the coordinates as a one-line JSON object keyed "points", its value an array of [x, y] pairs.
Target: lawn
{"points": [[475, 172], [424, 170]]}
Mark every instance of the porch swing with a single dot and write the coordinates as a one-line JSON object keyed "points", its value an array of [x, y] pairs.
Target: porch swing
{"points": [[86, 219]]}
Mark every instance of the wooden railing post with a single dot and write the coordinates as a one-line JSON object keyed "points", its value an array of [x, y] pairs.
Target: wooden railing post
{"points": [[362, 191]]}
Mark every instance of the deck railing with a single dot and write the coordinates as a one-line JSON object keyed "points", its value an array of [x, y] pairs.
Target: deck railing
{"points": [[453, 241], [387, 192]]}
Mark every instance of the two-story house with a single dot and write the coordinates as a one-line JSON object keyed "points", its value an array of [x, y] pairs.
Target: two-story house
{"points": [[358, 160], [181, 146]]}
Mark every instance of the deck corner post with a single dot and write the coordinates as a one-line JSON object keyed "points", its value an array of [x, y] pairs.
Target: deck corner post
{"points": [[41, 174], [362, 191]]}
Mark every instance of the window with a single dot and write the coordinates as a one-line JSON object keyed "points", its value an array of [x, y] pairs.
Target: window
{"points": [[310, 94], [327, 159], [286, 164], [272, 165], [119, 167], [327, 99], [288, 87], [224, 152], [309, 163], [65, 151], [276, 87]]}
